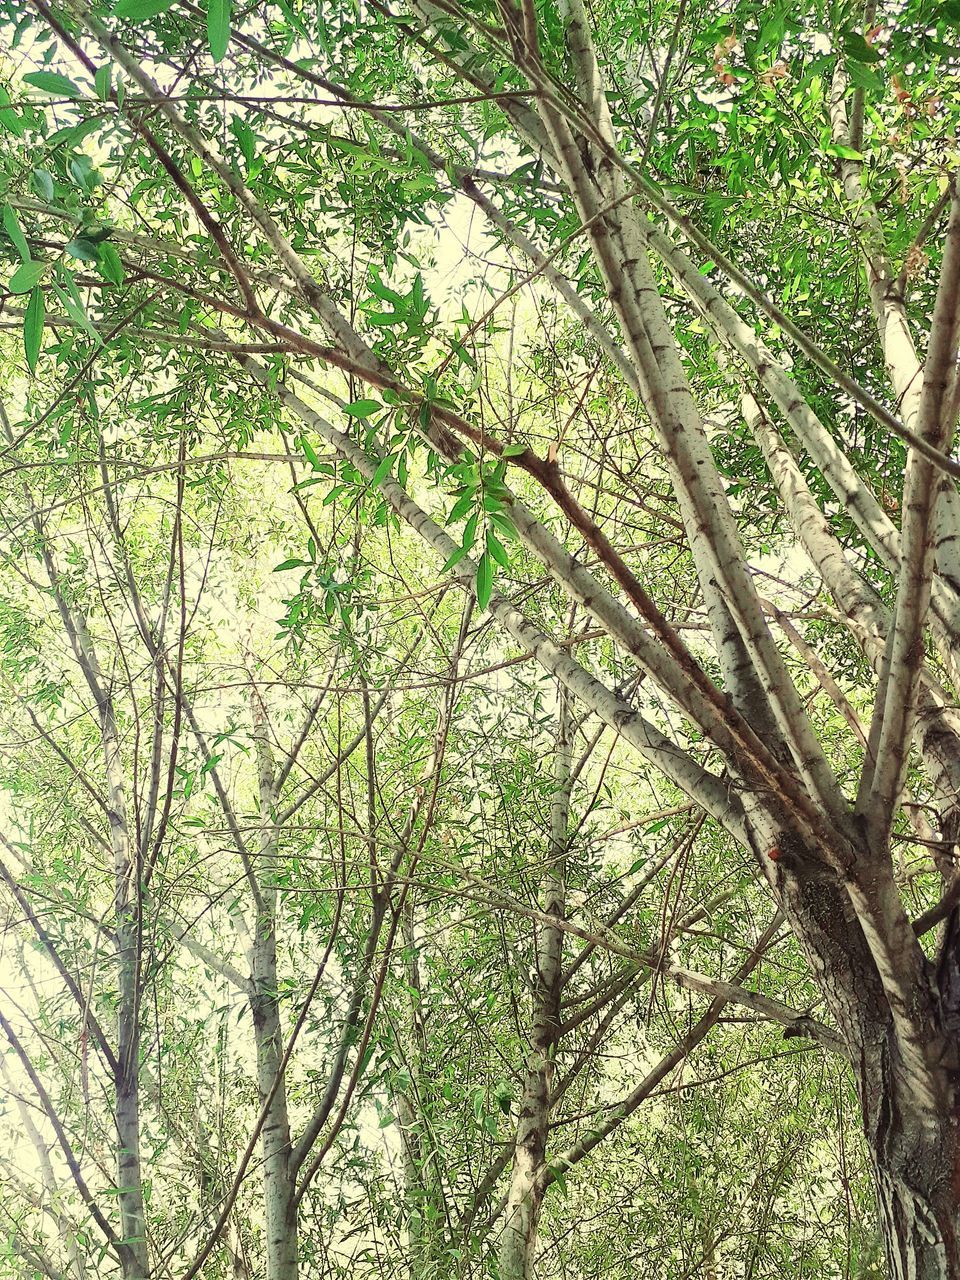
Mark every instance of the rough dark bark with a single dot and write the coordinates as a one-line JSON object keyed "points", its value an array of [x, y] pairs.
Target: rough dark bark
{"points": [[914, 1150]]}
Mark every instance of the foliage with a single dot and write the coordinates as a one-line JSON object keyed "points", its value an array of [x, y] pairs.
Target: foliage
{"points": [[274, 274]]}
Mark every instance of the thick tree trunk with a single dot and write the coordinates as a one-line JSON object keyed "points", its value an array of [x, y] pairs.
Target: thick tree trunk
{"points": [[913, 1145], [916, 1167], [919, 1223]]}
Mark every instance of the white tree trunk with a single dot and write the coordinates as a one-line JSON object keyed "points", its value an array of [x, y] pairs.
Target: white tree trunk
{"points": [[280, 1216], [528, 1183]]}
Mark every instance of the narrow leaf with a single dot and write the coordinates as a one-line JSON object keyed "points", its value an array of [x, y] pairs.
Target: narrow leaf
{"points": [[103, 82], [382, 471], [70, 300], [82, 249], [11, 225], [454, 559], [362, 408], [110, 264], [497, 550], [484, 580], [42, 183], [218, 27], [9, 119], [140, 9], [26, 276], [53, 82], [33, 328], [310, 452]]}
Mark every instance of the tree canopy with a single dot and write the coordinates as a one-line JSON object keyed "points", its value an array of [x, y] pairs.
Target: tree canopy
{"points": [[479, 640]]}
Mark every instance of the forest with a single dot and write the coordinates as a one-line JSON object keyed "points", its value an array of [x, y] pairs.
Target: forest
{"points": [[479, 640]]}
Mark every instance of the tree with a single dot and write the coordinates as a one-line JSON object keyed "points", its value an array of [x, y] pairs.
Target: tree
{"points": [[737, 238]]}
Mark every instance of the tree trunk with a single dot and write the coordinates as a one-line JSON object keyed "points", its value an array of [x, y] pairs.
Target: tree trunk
{"points": [[915, 1152], [913, 1140], [419, 1159], [278, 1189], [134, 1256], [279, 1201], [919, 1229], [528, 1184], [133, 1230]]}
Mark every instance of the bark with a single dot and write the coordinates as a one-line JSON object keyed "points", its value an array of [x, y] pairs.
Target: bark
{"points": [[133, 1230], [528, 1184], [917, 1200], [280, 1217], [418, 1156], [127, 941]]}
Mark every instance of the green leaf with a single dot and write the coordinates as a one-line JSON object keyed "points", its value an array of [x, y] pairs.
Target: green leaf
{"points": [[9, 119], [504, 524], [53, 82], [461, 507], [103, 83], [33, 328], [845, 153], [497, 550], [470, 530], [384, 291], [245, 137], [218, 27], [382, 319], [83, 173], [772, 32], [42, 183], [110, 264], [310, 453], [74, 134], [83, 249], [70, 299], [454, 559], [383, 470], [863, 77], [484, 584], [140, 9], [856, 47], [11, 225], [362, 408], [26, 276]]}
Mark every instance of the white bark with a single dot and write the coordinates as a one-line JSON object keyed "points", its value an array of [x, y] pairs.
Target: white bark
{"points": [[599, 192], [895, 711], [518, 1246], [280, 1217]]}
